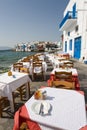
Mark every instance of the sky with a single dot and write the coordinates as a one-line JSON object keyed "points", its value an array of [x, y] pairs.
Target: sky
{"points": [[30, 20]]}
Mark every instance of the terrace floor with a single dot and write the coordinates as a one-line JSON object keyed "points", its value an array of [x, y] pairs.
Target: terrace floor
{"points": [[6, 122]]}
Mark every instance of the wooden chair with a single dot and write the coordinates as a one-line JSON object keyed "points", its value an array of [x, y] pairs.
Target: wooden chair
{"points": [[37, 70], [24, 70], [62, 66], [17, 66], [69, 64], [35, 59], [63, 84], [3, 103], [63, 75], [22, 89], [62, 59], [27, 59], [63, 80], [24, 126]]}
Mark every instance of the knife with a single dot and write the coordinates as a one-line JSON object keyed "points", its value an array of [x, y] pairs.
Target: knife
{"points": [[41, 109]]}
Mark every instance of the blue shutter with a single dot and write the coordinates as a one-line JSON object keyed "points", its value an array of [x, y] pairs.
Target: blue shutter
{"points": [[65, 46], [70, 45]]}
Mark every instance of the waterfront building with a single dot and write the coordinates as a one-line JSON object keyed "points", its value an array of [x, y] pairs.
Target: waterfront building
{"points": [[74, 28], [23, 47], [37, 46]]}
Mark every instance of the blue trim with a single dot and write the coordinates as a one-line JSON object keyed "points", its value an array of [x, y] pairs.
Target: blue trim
{"points": [[69, 15], [74, 9]]}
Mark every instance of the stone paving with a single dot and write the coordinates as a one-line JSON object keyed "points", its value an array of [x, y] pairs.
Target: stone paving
{"points": [[6, 123]]}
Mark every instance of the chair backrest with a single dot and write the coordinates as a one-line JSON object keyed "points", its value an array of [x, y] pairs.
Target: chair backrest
{"points": [[62, 59], [63, 75], [35, 58], [69, 64], [62, 66], [24, 70], [17, 66], [63, 84], [37, 70], [37, 65], [25, 60]]}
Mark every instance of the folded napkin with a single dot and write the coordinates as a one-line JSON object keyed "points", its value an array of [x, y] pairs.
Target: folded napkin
{"points": [[46, 108]]}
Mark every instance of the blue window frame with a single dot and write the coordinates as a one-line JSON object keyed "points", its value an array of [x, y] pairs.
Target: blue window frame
{"points": [[70, 44]]}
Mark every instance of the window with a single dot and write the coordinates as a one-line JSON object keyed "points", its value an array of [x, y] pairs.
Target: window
{"points": [[70, 45], [68, 33], [65, 46], [76, 28]]}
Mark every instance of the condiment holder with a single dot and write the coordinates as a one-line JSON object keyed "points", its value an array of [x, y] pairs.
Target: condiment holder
{"points": [[39, 95], [9, 73]]}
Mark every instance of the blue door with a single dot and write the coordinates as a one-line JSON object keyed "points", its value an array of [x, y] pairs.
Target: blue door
{"points": [[77, 47], [65, 46]]}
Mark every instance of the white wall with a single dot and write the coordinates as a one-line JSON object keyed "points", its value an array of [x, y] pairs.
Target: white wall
{"points": [[81, 6]]}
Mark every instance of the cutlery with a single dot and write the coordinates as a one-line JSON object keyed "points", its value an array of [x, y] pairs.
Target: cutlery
{"points": [[41, 109]]}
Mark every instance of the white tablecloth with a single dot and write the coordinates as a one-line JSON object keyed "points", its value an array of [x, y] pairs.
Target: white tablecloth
{"points": [[68, 110], [55, 60], [44, 65], [11, 83], [2, 89], [73, 70]]}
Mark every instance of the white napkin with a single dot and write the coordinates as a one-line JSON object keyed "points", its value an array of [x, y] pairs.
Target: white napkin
{"points": [[46, 107], [41, 108], [37, 108]]}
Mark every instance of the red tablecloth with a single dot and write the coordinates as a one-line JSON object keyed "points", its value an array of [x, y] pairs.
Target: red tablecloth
{"points": [[22, 116]]}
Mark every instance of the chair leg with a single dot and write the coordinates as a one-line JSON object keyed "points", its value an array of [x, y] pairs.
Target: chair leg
{"points": [[21, 96], [43, 75], [13, 98], [29, 89], [0, 110], [2, 102], [21, 92]]}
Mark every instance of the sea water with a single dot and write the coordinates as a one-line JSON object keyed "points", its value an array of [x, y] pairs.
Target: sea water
{"points": [[7, 58]]}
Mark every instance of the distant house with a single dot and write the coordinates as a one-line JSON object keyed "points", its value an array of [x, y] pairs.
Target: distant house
{"points": [[41, 46], [74, 28], [23, 47]]}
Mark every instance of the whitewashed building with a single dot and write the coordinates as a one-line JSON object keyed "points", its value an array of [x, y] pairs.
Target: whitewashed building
{"points": [[74, 28]]}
